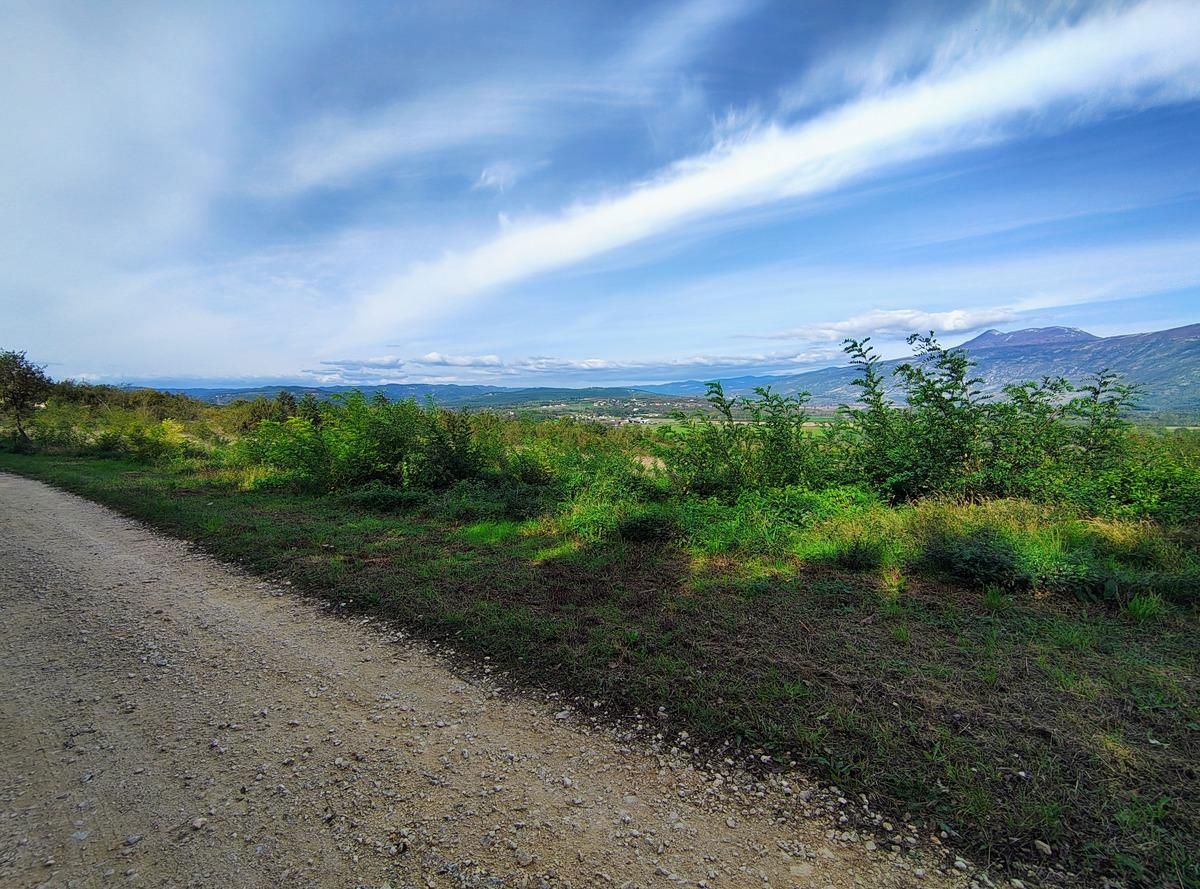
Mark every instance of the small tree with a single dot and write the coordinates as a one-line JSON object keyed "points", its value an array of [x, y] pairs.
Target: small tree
{"points": [[309, 408], [709, 455], [945, 415], [784, 454], [869, 434], [23, 385], [1102, 407], [285, 405]]}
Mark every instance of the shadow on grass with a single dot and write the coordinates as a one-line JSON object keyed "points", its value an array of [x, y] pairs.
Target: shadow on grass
{"points": [[1001, 718]]}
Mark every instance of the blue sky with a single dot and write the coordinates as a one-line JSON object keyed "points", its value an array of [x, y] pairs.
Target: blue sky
{"points": [[584, 193]]}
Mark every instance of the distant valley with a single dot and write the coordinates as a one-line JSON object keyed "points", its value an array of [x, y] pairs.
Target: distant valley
{"points": [[1165, 363]]}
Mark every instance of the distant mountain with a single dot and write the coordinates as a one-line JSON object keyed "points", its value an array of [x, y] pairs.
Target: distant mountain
{"points": [[1165, 363], [1030, 336], [445, 394]]}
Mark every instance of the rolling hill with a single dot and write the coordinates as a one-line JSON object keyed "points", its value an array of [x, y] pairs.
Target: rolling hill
{"points": [[1165, 363]]}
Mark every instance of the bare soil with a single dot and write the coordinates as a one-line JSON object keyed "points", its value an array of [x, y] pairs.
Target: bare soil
{"points": [[166, 720]]}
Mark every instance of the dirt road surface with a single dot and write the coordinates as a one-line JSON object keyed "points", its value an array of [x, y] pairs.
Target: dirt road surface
{"points": [[169, 721]]}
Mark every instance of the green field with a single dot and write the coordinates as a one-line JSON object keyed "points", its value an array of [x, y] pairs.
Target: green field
{"points": [[982, 615]]}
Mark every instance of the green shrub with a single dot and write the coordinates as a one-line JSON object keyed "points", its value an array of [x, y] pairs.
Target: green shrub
{"points": [[982, 557], [1145, 606], [753, 443], [1076, 578], [649, 525], [860, 553], [381, 497]]}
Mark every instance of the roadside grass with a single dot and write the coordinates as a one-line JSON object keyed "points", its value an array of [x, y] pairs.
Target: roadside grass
{"points": [[923, 655]]}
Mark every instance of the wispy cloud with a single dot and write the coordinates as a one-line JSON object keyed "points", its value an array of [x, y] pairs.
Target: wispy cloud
{"points": [[1110, 61], [478, 116], [200, 183], [499, 176], [338, 148], [491, 368], [999, 289], [899, 322]]}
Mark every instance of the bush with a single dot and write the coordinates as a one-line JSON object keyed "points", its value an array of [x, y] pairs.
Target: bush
{"points": [[380, 497], [1080, 580], [764, 446], [860, 553], [157, 441], [648, 526], [983, 557], [498, 497], [1145, 606]]}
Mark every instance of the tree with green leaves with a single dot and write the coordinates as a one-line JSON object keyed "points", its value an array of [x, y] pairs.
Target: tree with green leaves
{"points": [[23, 386], [285, 405], [946, 418], [868, 432], [783, 453], [1102, 407]]}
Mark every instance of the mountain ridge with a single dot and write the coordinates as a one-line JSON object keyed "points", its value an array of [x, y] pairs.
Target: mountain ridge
{"points": [[1166, 363]]}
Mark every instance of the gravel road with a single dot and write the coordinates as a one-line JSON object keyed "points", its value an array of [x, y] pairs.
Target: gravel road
{"points": [[166, 720]]}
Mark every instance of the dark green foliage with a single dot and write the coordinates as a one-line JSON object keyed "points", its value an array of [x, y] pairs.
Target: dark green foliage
{"points": [[868, 437], [472, 499], [309, 409], [449, 450], [378, 496], [651, 525], [944, 425], [1081, 580], [981, 558], [1102, 408], [22, 385], [753, 443], [709, 457], [1027, 437], [859, 553], [149, 403]]}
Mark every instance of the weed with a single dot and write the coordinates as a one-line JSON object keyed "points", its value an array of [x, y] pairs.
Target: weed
{"points": [[1145, 607], [649, 525], [995, 600]]}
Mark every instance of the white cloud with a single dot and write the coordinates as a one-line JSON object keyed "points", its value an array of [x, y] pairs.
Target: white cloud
{"points": [[1004, 288], [1112, 60], [900, 322], [499, 176], [118, 129], [493, 369], [338, 148], [680, 33], [437, 358]]}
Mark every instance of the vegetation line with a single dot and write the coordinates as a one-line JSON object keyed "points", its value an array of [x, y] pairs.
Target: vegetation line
{"points": [[982, 613]]}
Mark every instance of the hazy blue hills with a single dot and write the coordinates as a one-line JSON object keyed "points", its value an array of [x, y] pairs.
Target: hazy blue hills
{"points": [[1166, 363], [1030, 336], [445, 394]]}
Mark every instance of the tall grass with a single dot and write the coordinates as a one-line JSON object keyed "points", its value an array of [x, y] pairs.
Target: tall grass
{"points": [[1047, 489]]}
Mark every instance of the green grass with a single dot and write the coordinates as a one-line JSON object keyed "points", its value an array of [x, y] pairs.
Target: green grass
{"points": [[997, 710]]}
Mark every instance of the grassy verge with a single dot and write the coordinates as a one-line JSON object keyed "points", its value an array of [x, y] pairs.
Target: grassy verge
{"points": [[1005, 718]]}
